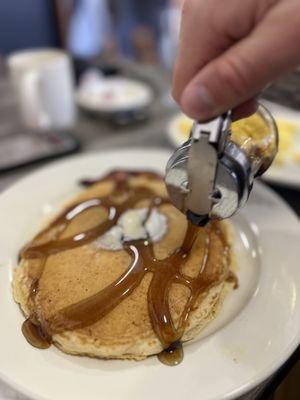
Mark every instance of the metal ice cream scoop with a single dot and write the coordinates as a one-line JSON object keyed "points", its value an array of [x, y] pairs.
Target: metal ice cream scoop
{"points": [[210, 176]]}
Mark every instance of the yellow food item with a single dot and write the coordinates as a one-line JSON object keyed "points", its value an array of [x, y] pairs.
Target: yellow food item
{"points": [[248, 129], [185, 126], [297, 156], [253, 131], [287, 131]]}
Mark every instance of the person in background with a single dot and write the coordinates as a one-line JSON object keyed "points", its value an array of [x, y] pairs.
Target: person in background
{"points": [[230, 50], [170, 22], [131, 27], [90, 28], [138, 27]]}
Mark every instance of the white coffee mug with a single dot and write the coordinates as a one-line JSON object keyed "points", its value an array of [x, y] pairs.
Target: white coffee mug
{"points": [[43, 81]]}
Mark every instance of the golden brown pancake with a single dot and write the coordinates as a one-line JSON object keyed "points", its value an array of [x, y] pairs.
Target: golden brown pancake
{"points": [[69, 293]]}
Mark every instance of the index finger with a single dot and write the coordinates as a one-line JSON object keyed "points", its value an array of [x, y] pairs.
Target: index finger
{"points": [[208, 28]]}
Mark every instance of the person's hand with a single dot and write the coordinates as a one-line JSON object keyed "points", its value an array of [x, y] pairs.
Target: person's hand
{"points": [[230, 50]]}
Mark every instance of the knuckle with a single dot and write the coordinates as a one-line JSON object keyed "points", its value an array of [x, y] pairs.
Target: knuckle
{"points": [[234, 73]]}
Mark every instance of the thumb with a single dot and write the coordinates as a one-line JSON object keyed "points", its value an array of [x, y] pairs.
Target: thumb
{"points": [[242, 71]]}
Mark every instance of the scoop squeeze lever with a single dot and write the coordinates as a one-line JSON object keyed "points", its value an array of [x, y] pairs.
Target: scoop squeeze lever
{"points": [[210, 176]]}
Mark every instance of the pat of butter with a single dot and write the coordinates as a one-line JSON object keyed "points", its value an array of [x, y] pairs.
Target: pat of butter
{"points": [[111, 240], [134, 224]]}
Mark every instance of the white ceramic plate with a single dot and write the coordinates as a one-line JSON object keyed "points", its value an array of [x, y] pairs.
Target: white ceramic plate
{"points": [[255, 332], [286, 174], [114, 94]]}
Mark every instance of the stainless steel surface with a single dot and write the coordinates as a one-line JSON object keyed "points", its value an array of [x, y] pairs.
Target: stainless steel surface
{"points": [[233, 182], [191, 171], [201, 167], [210, 177], [176, 176], [201, 176]]}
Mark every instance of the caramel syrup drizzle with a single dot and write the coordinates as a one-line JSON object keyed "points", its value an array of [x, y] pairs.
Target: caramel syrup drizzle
{"points": [[164, 272]]}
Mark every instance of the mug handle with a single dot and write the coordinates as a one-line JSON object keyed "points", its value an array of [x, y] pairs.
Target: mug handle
{"points": [[32, 99]]}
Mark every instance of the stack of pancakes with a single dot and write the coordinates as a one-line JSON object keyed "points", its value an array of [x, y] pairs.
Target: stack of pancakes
{"points": [[72, 275]]}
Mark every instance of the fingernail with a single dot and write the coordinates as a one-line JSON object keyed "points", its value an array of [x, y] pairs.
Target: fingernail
{"points": [[198, 103]]}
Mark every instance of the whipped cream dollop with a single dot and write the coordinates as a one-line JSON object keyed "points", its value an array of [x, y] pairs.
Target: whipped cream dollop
{"points": [[134, 224]]}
